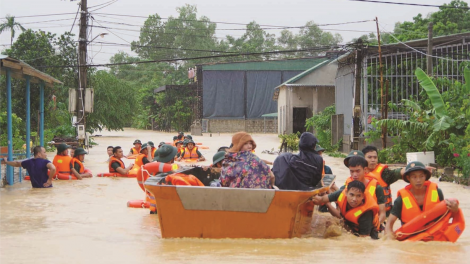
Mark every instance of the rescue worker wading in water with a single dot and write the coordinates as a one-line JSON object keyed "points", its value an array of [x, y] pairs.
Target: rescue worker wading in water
{"points": [[419, 196], [384, 176], [136, 149], [144, 156], [76, 165], [116, 165], [62, 159], [191, 152], [357, 207]]}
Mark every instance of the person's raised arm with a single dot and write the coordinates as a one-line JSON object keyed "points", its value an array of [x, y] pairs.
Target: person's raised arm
{"points": [[14, 163], [333, 211]]}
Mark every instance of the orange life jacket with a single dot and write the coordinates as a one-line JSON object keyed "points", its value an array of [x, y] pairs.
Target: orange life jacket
{"points": [[370, 188], [183, 179], [410, 208], [152, 152], [135, 151], [82, 168], [113, 159], [190, 154], [62, 164], [377, 174], [353, 214], [138, 160]]}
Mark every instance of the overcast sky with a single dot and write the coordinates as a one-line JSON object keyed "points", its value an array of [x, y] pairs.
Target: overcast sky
{"points": [[265, 12]]}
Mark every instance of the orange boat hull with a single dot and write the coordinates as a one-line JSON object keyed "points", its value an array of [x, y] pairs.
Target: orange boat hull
{"points": [[209, 212]]}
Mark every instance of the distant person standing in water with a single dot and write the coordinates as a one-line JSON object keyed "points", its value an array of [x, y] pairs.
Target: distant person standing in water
{"points": [[37, 168]]}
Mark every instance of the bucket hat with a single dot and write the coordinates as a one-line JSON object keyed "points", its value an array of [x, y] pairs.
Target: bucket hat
{"points": [[415, 166], [165, 153], [352, 154]]}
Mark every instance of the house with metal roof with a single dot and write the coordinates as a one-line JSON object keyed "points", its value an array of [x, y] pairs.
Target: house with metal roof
{"points": [[236, 95], [305, 94]]}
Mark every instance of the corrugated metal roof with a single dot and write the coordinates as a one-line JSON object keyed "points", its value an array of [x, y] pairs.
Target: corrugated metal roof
{"points": [[303, 74], [273, 65]]}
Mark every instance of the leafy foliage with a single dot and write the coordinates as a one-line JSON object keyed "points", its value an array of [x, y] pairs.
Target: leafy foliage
{"points": [[17, 122], [11, 25], [115, 103], [291, 140], [321, 124]]}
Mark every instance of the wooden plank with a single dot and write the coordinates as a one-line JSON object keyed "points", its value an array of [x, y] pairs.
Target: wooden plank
{"points": [[10, 64]]}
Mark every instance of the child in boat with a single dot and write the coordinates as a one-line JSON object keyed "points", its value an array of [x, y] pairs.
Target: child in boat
{"points": [[243, 169], [419, 196]]}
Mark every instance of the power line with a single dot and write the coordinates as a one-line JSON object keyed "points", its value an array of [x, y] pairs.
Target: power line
{"points": [[244, 29], [101, 4], [316, 49], [109, 3], [411, 4], [75, 19], [60, 14], [161, 47]]}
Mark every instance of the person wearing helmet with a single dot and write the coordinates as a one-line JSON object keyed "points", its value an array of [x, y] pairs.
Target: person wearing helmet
{"points": [[191, 152], [420, 195], [144, 156], [136, 149], [76, 165], [152, 149], [179, 146]]}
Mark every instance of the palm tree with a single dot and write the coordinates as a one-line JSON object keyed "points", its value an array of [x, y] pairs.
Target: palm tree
{"points": [[11, 25]]}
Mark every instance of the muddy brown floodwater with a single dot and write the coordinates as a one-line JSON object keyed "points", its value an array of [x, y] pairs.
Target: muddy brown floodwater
{"points": [[88, 222]]}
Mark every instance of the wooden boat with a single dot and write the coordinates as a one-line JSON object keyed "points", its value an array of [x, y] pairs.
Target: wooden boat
{"points": [[212, 212]]}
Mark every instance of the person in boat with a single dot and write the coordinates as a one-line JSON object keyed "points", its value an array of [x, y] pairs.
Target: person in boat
{"points": [[383, 174], [152, 149], [144, 156], [136, 149], [62, 160], [166, 154], [326, 169], [356, 206], [191, 152], [109, 150], [116, 165], [243, 169], [419, 196], [301, 171], [76, 165], [37, 168]]}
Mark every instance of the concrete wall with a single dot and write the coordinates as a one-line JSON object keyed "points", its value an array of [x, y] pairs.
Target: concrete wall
{"points": [[235, 125], [324, 76], [344, 95], [322, 98]]}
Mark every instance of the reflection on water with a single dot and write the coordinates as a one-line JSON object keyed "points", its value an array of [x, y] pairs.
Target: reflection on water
{"points": [[88, 222]]}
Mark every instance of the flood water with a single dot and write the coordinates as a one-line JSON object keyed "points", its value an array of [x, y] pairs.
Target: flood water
{"points": [[88, 222]]}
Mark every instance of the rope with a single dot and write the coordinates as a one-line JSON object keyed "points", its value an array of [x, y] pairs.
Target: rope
{"points": [[400, 234]]}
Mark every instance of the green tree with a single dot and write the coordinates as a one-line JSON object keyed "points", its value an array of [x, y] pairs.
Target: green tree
{"points": [[11, 25], [446, 21], [254, 40], [311, 36], [115, 103]]}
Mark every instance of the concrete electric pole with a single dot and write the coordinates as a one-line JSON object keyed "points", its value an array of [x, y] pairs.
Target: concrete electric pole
{"points": [[82, 73]]}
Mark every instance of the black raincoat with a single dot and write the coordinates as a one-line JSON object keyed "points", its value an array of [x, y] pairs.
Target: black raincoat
{"points": [[301, 171]]}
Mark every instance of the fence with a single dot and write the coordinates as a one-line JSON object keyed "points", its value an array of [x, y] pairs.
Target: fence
{"points": [[18, 173], [399, 64]]}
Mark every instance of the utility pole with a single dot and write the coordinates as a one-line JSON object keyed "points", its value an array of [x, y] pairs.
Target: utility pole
{"points": [[82, 71], [383, 102], [429, 58], [357, 95]]}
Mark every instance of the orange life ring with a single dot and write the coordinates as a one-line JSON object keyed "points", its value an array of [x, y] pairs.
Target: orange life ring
{"points": [[153, 168], [137, 204], [63, 176], [203, 147], [88, 171], [27, 178], [132, 156], [198, 144], [424, 227]]}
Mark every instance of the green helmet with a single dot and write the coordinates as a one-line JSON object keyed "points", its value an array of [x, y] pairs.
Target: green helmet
{"points": [[415, 166], [352, 154]]}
